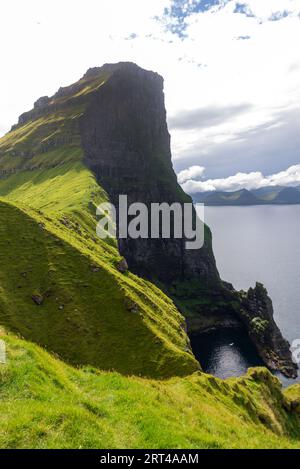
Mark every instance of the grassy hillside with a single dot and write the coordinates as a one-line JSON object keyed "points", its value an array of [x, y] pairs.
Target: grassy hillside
{"points": [[61, 286], [47, 404], [63, 296]]}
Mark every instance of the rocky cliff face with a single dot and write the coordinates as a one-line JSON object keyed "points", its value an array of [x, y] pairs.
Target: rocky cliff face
{"points": [[258, 316], [127, 144], [117, 112]]}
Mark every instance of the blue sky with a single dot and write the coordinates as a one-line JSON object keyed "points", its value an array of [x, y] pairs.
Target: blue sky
{"points": [[231, 70], [179, 11]]}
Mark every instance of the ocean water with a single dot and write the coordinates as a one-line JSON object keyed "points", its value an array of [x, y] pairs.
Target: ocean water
{"points": [[257, 243]]}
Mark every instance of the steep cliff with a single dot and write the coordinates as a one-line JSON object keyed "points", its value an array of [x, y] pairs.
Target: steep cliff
{"points": [[127, 144], [114, 121]]}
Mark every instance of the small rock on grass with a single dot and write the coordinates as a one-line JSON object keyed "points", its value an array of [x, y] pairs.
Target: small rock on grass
{"points": [[37, 299], [122, 265]]}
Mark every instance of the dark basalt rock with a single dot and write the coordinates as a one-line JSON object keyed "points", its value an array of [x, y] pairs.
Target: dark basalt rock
{"points": [[258, 316], [127, 144], [37, 299], [295, 406], [39, 108], [122, 266]]}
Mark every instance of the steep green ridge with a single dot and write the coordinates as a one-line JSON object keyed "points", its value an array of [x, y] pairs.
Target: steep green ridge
{"points": [[90, 312], [55, 191], [47, 404], [49, 135]]}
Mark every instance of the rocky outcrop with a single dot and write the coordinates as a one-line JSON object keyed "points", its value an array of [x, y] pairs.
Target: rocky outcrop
{"points": [[40, 106], [258, 316]]}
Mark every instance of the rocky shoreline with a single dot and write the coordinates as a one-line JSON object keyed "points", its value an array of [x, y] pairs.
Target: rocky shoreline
{"points": [[257, 315], [252, 312]]}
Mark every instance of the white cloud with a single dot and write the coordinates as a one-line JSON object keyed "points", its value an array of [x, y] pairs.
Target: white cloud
{"points": [[253, 180], [52, 43], [194, 172], [265, 10], [256, 71]]}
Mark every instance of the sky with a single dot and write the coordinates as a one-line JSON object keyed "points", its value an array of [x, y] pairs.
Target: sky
{"points": [[231, 71]]}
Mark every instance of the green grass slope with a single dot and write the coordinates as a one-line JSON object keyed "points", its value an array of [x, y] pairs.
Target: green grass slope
{"points": [[61, 288], [49, 135], [47, 404], [90, 312]]}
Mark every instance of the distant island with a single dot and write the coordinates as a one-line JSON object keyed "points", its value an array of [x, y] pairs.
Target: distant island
{"points": [[276, 195]]}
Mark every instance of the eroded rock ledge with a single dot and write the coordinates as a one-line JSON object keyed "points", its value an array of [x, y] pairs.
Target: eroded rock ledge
{"points": [[258, 316]]}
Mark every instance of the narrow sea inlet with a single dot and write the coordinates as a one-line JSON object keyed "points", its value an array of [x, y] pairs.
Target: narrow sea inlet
{"points": [[225, 353], [257, 243]]}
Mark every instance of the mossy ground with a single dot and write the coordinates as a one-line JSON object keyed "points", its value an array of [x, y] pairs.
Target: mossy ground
{"points": [[45, 403]]}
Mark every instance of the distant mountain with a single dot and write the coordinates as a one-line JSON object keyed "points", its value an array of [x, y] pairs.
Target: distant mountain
{"points": [[275, 195], [242, 197], [288, 195]]}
